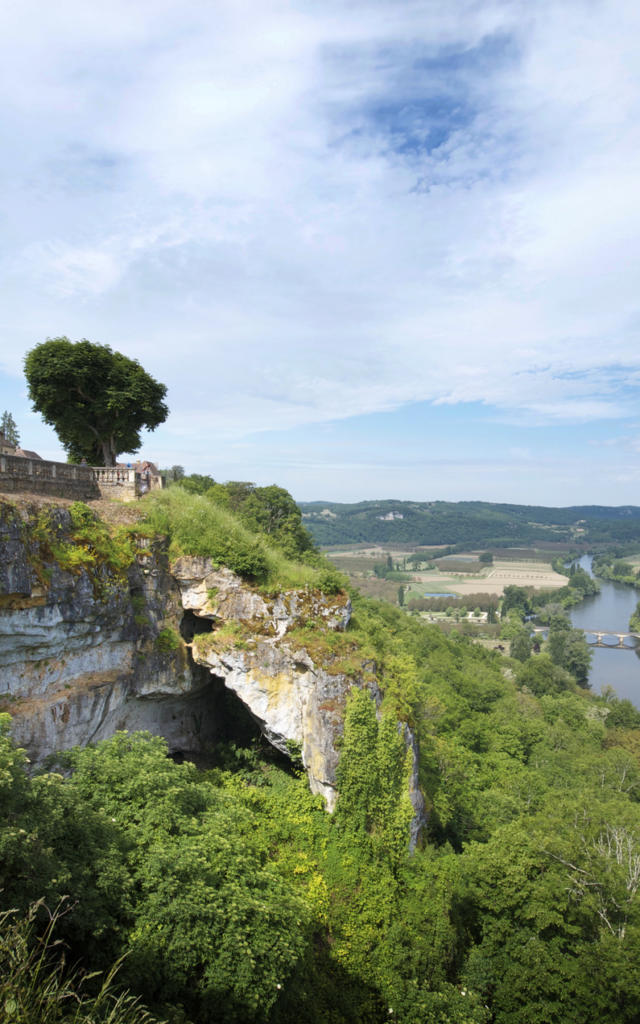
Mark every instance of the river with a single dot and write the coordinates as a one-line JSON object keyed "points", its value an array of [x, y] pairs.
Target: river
{"points": [[610, 609]]}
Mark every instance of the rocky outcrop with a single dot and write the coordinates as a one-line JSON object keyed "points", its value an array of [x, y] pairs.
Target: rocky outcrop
{"points": [[217, 593], [87, 651], [80, 655], [297, 703], [298, 700]]}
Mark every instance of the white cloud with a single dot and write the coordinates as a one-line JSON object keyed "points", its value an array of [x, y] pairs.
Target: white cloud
{"points": [[243, 196]]}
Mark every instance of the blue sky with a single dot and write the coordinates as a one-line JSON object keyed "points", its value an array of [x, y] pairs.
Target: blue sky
{"points": [[375, 249]]}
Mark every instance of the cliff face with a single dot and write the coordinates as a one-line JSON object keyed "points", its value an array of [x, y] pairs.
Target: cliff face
{"points": [[87, 651], [80, 655], [297, 702]]}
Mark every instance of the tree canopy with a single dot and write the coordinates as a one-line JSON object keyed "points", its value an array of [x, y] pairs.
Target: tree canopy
{"points": [[97, 400]]}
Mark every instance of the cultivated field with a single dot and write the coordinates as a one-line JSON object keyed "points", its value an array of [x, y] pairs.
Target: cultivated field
{"points": [[492, 580], [489, 580]]}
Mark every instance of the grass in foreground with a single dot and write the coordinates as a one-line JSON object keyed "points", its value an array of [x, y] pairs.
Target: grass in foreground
{"points": [[37, 987]]}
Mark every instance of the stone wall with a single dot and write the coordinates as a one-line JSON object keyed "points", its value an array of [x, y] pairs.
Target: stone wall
{"points": [[114, 482], [80, 483], [38, 476]]}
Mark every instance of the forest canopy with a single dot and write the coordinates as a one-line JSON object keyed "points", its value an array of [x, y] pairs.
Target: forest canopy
{"points": [[237, 898], [464, 523], [226, 893]]}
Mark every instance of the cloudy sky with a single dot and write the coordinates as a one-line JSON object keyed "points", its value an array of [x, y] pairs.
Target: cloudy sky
{"points": [[375, 248]]}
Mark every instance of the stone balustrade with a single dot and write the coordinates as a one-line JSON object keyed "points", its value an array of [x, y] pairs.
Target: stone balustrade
{"points": [[116, 482], [80, 483]]}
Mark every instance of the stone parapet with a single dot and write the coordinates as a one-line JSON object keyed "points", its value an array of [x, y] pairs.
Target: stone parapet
{"points": [[39, 476], [78, 482], [115, 482]]}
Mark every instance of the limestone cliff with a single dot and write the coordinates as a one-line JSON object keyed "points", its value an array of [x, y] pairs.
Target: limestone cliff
{"points": [[297, 702], [81, 650], [88, 650]]}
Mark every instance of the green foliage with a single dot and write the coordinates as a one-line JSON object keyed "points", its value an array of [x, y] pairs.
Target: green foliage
{"points": [[36, 987], [511, 626], [82, 542], [569, 649], [198, 526], [231, 635], [97, 400], [168, 640], [622, 714], [581, 581], [482, 602], [270, 511], [515, 599], [609, 566], [521, 646], [330, 581], [465, 525], [215, 925], [52, 847], [541, 676], [82, 517], [235, 897], [196, 483], [9, 428]]}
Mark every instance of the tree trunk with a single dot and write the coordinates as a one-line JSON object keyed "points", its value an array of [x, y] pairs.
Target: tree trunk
{"points": [[108, 452]]}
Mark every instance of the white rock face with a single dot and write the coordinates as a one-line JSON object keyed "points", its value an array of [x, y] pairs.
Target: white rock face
{"points": [[293, 700], [214, 593], [297, 704], [75, 666], [79, 661]]}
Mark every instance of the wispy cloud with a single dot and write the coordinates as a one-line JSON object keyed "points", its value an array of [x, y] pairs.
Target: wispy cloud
{"points": [[299, 212]]}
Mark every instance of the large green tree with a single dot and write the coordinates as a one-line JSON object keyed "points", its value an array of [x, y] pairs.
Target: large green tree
{"points": [[569, 649], [97, 400]]}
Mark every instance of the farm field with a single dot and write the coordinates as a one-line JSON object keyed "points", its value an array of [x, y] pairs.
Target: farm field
{"points": [[492, 579]]}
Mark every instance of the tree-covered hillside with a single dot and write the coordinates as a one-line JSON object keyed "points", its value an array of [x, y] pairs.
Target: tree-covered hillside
{"points": [[230, 895], [476, 523], [237, 898]]}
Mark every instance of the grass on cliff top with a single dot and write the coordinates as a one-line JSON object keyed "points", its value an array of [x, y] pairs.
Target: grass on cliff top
{"points": [[195, 525]]}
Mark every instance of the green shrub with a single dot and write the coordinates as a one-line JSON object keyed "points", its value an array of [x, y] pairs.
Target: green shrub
{"points": [[196, 525], [168, 640], [88, 544], [81, 515], [330, 581]]}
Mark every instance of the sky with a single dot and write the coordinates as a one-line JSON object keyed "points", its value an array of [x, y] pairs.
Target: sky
{"points": [[374, 248]]}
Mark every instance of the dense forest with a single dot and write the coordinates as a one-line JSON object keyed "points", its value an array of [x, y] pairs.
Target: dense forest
{"points": [[229, 894], [465, 523]]}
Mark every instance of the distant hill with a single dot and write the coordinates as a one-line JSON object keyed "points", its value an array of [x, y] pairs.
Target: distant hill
{"points": [[468, 523]]}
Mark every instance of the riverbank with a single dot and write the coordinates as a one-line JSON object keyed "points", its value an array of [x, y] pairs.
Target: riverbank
{"points": [[610, 610]]}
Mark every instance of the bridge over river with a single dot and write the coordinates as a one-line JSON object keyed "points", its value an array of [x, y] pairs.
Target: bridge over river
{"points": [[604, 638]]}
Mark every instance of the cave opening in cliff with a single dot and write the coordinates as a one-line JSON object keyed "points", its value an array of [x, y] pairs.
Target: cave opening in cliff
{"points": [[193, 625], [227, 733], [221, 724]]}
